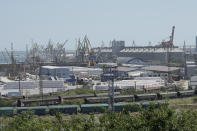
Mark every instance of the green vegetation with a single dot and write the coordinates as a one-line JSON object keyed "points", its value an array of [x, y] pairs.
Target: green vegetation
{"points": [[4, 102], [151, 119]]}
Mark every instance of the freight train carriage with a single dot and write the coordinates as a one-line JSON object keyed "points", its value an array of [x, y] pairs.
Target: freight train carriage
{"points": [[74, 109]]}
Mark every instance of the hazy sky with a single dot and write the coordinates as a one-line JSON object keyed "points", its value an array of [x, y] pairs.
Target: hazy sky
{"points": [[22, 21]]}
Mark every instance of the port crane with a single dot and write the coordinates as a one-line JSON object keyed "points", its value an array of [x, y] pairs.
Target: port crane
{"points": [[83, 49], [12, 71], [4, 57], [170, 42]]}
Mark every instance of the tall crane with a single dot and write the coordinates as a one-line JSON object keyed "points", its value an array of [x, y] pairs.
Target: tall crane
{"points": [[170, 42], [13, 61], [4, 57], [83, 49], [60, 51], [172, 36]]}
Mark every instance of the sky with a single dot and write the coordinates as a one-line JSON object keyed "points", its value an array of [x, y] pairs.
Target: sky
{"points": [[24, 21]]}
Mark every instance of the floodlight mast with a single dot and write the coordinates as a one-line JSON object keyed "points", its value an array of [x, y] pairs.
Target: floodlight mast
{"points": [[109, 73]]}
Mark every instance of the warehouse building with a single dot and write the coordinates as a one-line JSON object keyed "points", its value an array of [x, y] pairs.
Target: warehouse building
{"points": [[55, 71], [155, 54]]}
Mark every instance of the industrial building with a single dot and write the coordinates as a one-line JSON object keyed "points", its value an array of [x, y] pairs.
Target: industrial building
{"points": [[152, 54], [55, 71], [159, 54], [66, 71], [138, 83]]}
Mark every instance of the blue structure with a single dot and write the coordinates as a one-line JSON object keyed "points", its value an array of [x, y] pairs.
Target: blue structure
{"points": [[55, 71]]}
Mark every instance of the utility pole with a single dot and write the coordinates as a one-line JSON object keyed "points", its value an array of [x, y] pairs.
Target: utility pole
{"points": [[19, 85], [41, 83], [185, 61], [135, 85]]}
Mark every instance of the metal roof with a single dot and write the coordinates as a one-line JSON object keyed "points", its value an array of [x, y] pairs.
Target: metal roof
{"points": [[125, 69], [151, 50], [92, 105], [6, 108], [161, 68], [63, 106], [31, 108]]}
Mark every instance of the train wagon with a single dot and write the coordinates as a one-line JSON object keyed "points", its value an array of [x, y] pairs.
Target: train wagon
{"points": [[93, 100], [145, 105], [126, 98], [38, 110], [167, 95], [106, 94], [186, 93], [96, 108], [6, 111], [140, 97], [130, 107], [66, 109]]}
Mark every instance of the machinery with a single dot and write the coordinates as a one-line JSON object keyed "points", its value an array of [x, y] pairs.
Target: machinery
{"points": [[92, 61]]}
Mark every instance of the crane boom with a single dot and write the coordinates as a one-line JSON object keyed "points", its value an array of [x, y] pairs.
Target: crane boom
{"points": [[8, 54], [172, 36], [4, 57]]}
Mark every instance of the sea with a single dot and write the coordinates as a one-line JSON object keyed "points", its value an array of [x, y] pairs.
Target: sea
{"points": [[19, 56]]}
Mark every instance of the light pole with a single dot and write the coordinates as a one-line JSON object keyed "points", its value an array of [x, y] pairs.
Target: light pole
{"points": [[109, 74]]}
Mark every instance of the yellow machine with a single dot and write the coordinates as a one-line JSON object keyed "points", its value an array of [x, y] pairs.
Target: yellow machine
{"points": [[91, 63]]}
